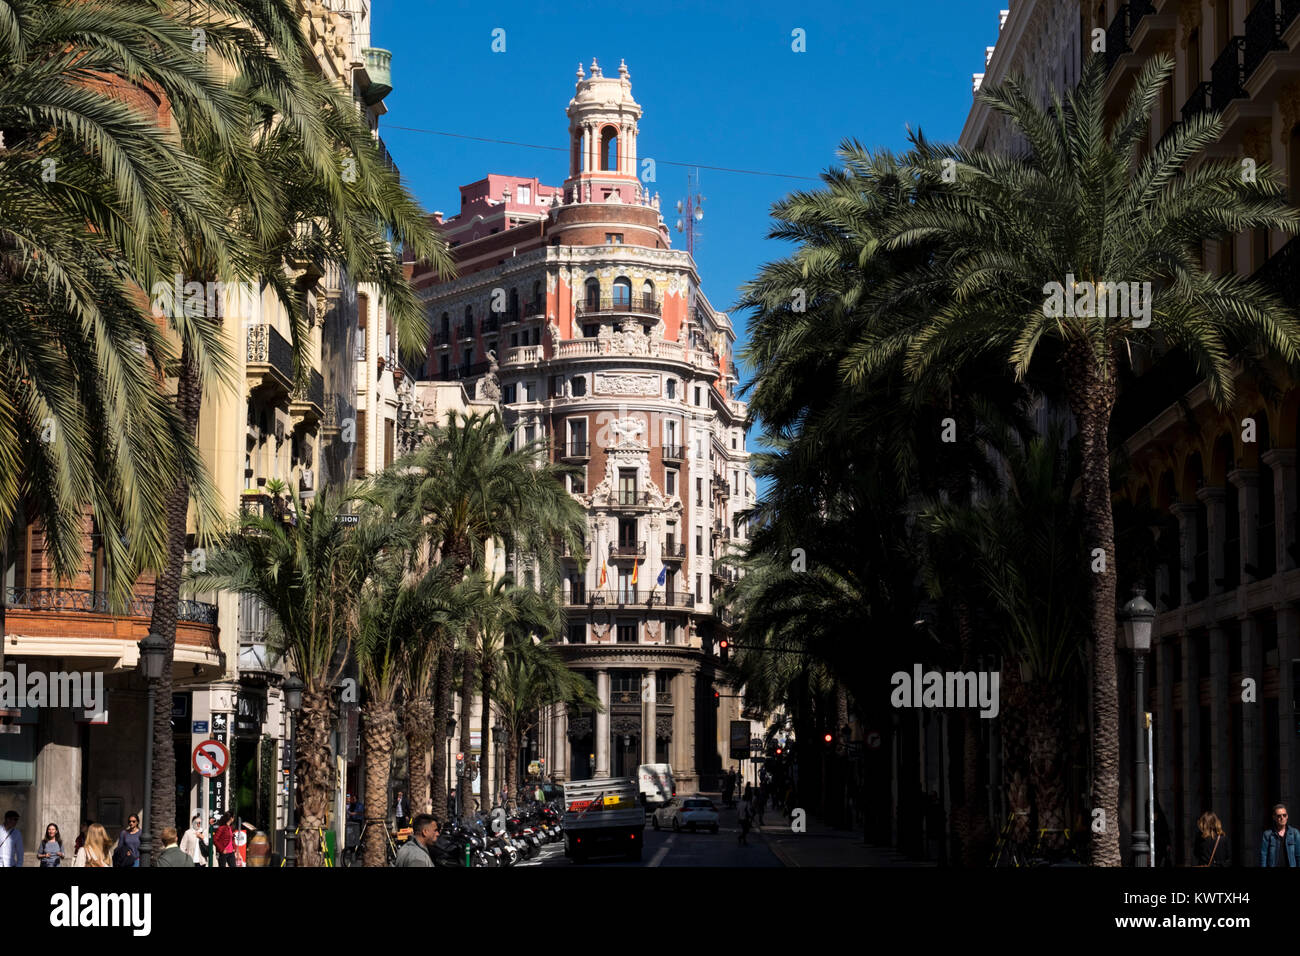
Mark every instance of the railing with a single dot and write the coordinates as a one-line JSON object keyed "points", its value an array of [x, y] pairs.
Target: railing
{"points": [[1290, 10], [463, 371], [721, 487], [387, 157], [1263, 34], [650, 597], [359, 353], [655, 348], [442, 337], [259, 505], [1117, 36], [1228, 74], [465, 330], [636, 550], [1199, 102], [97, 602], [312, 391], [632, 499], [577, 449], [523, 355], [568, 552], [673, 452], [492, 322], [639, 304], [266, 346], [1281, 272], [674, 552], [532, 308]]}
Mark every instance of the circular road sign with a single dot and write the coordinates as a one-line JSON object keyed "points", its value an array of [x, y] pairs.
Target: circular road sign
{"points": [[211, 758]]}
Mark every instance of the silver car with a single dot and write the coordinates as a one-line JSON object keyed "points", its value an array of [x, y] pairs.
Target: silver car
{"points": [[687, 813]]}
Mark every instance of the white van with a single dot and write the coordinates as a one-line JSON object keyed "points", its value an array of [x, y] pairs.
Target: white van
{"points": [[656, 783]]}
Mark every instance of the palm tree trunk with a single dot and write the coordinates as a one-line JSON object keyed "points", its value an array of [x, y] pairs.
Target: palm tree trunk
{"points": [[1046, 749], [1015, 759], [969, 821], [485, 734], [468, 668], [442, 712], [1091, 393], [380, 730], [315, 773], [419, 726], [166, 603]]}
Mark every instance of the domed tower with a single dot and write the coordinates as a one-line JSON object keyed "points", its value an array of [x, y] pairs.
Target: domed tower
{"points": [[603, 168]]}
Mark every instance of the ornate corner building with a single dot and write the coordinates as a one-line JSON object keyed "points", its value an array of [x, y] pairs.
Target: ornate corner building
{"points": [[574, 315]]}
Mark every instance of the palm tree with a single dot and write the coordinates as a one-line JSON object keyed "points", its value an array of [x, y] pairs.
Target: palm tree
{"points": [[92, 181], [1084, 204], [470, 485], [311, 576], [283, 197]]}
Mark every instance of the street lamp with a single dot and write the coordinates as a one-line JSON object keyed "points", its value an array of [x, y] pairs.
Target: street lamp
{"points": [[293, 686], [1136, 618], [153, 658]]}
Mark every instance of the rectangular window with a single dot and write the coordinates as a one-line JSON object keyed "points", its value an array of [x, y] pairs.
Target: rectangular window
{"points": [[591, 331], [508, 393], [672, 388], [390, 439], [627, 533], [699, 541], [626, 487], [577, 436], [699, 492], [626, 589], [579, 386], [670, 482], [524, 195], [553, 387], [698, 592], [670, 632], [578, 482], [530, 434], [444, 365], [577, 590], [359, 464], [613, 238], [699, 395], [577, 632], [670, 581], [530, 391], [627, 632], [537, 335], [514, 340]]}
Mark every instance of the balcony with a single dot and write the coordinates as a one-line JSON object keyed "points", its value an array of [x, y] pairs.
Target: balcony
{"points": [[1264, 27], [674, 552], [721, 488], [442, 337], [1121, 28], [523, 355], [1199, 102], [568, 552], [1290, 10], [269, 359], [492, 322], [532, 309], [1281, 272], [387, 158], [308, 400], [1228, 74], [640, 596], [576, 451], [465, 330], [631, 501], [673, 453], [463, 371], [635, 305], [379, 64], [627, 550]]}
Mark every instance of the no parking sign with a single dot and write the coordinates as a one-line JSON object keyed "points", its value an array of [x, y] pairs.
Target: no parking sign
{"points": [[211, 758]]}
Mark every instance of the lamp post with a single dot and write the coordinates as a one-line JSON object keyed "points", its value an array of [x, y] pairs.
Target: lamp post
{"points": [[498, 736], [153, 657], [1135, 629], [293, 686]]}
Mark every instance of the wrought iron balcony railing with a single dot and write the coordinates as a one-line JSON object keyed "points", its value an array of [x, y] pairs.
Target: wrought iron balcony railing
{"points": [[635, 550], [268, 349], [311, 391], [1199, 102], [636, 304], [1264, 27], [533, 307], [673, 452], [70, 600], [577, 449], [674, 552], [631, 500], [1281, 272], [640, 595], [1228, 74]]}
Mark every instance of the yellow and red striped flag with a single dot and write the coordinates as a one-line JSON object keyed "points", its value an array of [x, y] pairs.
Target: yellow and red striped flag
{"points": [[602, 575], [636, 566]]}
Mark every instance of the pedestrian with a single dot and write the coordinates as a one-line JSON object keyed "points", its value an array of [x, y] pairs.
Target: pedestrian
{"points": [[50, 852], [1281, 844], [127, 853], [11, 841], [1210, 848], [749, 793], [745, 820], [224, 840], [760, 800], [417, 851], [401, 810], [81, 837], [172, 855], [193, 843], [239, 835], [97, 850]]}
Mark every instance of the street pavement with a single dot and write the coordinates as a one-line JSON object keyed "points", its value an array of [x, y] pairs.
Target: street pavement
{"points": [[772, 845]]}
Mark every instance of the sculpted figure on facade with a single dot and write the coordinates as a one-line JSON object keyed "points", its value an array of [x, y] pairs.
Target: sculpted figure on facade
{"points": [[489, 386]]}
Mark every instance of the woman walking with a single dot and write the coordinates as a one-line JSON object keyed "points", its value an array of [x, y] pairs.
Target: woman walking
{"points": [[224, 840], [1210, 848], [50, 852], [127, 853], [97, 849]]}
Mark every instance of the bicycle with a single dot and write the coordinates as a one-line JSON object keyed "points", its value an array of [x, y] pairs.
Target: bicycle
{"points": [[352, 855]]}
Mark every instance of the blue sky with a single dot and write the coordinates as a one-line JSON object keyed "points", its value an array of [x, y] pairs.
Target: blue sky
{"points": [[719, 85]]}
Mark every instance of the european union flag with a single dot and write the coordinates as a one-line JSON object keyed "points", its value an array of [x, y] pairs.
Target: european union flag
{"points": [[663, 575]]}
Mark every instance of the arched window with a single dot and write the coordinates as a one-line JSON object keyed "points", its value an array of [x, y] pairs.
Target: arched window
{"points": [[593, 295], [446, 325], [648, 290], [512, 310], [468, 328], [609, 148], [622, 292]]}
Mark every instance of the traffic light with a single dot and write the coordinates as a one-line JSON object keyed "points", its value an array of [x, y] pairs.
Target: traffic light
{"points": [[778, 751], [717, 698], [829, 738], [723, 646]]}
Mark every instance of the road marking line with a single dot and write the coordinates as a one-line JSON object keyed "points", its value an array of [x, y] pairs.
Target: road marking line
{"points": [[663, 851]]}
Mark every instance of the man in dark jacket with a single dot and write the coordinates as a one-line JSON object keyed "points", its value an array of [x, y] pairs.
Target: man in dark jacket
{"points": [[1281, 845], [172, 855]]}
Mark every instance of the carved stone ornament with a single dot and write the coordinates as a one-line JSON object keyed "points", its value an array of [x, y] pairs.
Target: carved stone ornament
{"points": [[489, 386], [663, 727], [579, 727], [626, 726], [625, 383], [628, 430]]}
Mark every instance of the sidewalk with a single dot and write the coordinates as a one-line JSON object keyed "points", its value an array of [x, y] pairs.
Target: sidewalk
{"points": [[818, 845]]}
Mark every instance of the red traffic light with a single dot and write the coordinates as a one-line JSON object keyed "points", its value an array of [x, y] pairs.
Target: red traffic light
{"points": [[723, 643], [778, 751], [716, 695], [828, 738]]}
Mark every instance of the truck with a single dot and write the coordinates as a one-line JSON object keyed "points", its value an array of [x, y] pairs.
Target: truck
{"points": [[602, 816], [657, 784]]}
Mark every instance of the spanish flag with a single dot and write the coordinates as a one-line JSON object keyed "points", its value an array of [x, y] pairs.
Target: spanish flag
{"points": [[601, 585], [636, 566]]}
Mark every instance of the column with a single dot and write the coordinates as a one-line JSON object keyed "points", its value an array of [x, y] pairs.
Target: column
{"points": [[602, 724], [1164, 727], [1282, 461], [1247, 482], [56, 792], [1216, 533], [1252, 741], [1288, 649], [1186, 515], [1191, 750], [1220, 736], [560, 759], [649, 711]]}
